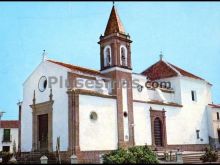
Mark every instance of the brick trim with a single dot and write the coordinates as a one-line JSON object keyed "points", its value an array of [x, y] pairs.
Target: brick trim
{"points": [[40, 109], [73, 123], [161, 115]]}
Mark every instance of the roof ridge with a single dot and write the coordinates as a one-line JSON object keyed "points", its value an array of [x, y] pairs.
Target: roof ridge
{"points": [[164, 69], [80, 67], [169, 65], [187, 72]]}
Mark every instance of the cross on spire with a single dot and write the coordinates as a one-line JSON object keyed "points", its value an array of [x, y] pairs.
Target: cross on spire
{"points": [[44, 55], [161, 55]]}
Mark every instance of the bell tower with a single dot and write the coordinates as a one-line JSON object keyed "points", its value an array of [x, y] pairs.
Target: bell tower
{"points": [[115, 44], [115, 60]]}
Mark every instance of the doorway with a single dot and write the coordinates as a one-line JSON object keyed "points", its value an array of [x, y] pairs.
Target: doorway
{"points": [[158, 128], [43, 132], [158, 134]]}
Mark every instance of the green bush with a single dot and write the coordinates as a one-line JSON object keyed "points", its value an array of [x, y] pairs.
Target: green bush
{"points": [[210, 155], [138, 154]]}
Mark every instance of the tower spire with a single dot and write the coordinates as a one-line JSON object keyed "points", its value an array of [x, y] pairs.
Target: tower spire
{"points": [[114, 24]]}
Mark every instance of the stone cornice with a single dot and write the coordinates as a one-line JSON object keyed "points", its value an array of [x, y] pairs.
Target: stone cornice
{"points": [[159, 103], [89, 92]]}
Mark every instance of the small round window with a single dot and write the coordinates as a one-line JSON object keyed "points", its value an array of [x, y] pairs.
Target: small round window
{"points": [[125, 114], [93, 116], [42, 85]]}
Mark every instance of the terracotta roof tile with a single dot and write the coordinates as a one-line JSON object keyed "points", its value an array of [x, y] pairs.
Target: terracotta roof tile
{"points": [[159, 70], [77, 68], [162, 69], [185, 73], [10, 124], [214, 105], [114, 23]]}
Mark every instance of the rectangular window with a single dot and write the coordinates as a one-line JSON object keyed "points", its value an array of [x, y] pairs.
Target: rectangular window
{"points": [[197, 134], [193, 93], [217, 115], [6, 135]]}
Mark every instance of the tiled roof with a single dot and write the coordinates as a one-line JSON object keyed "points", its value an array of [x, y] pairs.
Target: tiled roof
{"points": [[214, 105], [77, 68], [185, 73], [162, 69], [10, 124], [114, 23]]}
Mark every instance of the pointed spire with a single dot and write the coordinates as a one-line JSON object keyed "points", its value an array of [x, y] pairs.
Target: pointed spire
{"points": [[114, 23]]}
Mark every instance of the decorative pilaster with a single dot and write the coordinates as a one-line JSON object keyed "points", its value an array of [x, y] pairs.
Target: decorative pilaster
{"points": [[51, 94]]}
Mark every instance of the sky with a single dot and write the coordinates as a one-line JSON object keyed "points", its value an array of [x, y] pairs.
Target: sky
{"points": [[188, 34]]}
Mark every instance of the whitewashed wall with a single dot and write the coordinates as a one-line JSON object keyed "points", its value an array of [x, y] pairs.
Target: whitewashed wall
{"points": [[14, 137], [195, 112], [210, 121], [144, 95], [97, 85], [101, 134], [214, 124], [142, 124], [60, 107], [181, 123], [176, 86], [148, 94]]}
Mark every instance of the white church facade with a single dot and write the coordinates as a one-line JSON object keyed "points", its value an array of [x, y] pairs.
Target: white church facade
{"points": [[94, 120]]}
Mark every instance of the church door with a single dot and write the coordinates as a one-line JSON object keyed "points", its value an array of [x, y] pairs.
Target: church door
{"points": [[158, 134], [43, 132]]}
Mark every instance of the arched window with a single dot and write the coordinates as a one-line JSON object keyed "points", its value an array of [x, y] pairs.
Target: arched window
{"points": [[123, 53], [107, 56], [217, 115]]}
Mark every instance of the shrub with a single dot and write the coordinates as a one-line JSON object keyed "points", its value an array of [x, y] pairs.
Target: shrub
{"points": [[138, 154], [210, 155], [6, 156]]}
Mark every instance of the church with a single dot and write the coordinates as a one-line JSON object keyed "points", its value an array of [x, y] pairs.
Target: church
{"points": [[125, 108]]}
